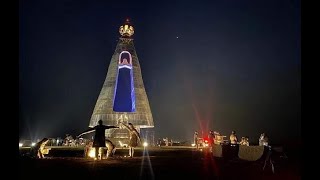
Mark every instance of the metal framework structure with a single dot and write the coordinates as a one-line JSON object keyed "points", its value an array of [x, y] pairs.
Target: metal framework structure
{"points": [[140, 115]]}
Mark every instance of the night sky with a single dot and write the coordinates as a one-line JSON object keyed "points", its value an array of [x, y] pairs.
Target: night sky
{"points": [[221, 64]]}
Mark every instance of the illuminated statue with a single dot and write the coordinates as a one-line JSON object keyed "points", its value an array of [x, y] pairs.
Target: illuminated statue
{"points": [[123, 97], [233, 138], [127, 29], [134, 137], [99, 141]]}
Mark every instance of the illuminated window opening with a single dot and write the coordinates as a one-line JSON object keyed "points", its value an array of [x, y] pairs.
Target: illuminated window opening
{"points": [[124, 98]]}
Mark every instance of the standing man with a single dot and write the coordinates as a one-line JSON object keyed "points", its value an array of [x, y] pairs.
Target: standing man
{"points": [[99, 141], [233, 138], [211, 138], [195, 139]]}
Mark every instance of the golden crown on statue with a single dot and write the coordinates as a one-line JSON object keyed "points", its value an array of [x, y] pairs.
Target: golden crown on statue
{"points": [[126, 30]]}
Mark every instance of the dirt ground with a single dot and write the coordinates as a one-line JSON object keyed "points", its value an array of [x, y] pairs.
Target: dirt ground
{"points": [[154, 163]]}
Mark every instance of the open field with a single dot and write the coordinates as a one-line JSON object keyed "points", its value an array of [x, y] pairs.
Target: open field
{"points": [[154, 163]]}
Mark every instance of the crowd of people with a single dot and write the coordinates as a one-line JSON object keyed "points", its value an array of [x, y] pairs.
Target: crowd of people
{"points": [[164, 142], [99, 143], [216, 138]]}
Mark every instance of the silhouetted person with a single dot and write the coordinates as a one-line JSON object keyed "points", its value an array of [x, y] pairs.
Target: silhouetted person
{"points": [[233, 138], [210, 138], [263, 140], [134, 137], [159, 142], [171, 142], [167, 141], [99, 140], [195, 139]]}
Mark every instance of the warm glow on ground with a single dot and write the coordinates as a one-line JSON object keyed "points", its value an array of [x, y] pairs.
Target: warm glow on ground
{"points": [[92, 153]]}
